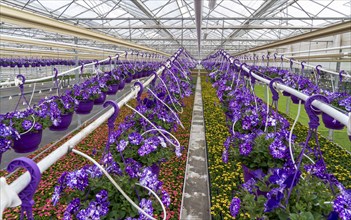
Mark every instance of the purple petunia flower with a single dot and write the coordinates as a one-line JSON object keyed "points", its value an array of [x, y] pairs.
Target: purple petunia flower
{"points": [[132, 168], [72, 208], [278, 149], [78, 179], [26, 124], [149, 146], [225, 156], [146, 205], [37, 126], [56, 195], [149, 179], [342, 205], [249, 185], [166, 199], [234, 207], [97, 208], [245, 148], [122, 145], [135, 138], [273, 199]]}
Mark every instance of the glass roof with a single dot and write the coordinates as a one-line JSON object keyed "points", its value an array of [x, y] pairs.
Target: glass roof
{"points": [[166, 25]]}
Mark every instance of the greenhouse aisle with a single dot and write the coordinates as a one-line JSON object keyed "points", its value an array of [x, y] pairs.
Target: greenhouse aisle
{"points": [[196, 198]]}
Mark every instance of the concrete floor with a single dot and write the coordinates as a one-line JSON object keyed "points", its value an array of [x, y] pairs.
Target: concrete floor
{"points": [[196, 195]]}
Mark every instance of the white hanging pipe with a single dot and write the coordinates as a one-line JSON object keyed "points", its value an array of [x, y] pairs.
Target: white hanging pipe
{"points": [[317, 50], [322, 69], [63, 73], [341, 117], [305, 64], [21, 182]]}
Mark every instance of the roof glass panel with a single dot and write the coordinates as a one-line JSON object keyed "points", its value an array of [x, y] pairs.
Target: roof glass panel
{"points": [[162, 19]]}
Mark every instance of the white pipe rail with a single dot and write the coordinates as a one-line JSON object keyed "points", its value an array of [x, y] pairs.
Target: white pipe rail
{"points": [[308, 65], [322, 69], [61, 74], [21, 182], [341, 117], [317, 50]]}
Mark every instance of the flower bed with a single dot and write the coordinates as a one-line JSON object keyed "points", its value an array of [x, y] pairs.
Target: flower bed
{"points": [[171, 173], [226, 178]]}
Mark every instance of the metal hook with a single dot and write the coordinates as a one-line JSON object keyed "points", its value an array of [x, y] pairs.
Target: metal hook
{"points": [[23, 79], [110, 121], [318, 70], [56, 80], [96, 62], [302, 66], [56, 73], [113, 117], [275, 94], [241, 66], [26, 195], [253, 80], [81, 69], [291, 63], [314, 120], [340, 75], [141, 88]]}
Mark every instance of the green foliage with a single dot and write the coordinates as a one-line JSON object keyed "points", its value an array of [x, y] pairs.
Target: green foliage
{"points": [[260, 157]]}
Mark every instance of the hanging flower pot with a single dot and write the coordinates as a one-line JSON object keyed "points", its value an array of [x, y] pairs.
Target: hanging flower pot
{"points": [[129, 79], [101, 99], [286, 93], [331, 123], [296, 100], [121, 85], [27, 142], [64, 124], [85, 107], [112, 90]]}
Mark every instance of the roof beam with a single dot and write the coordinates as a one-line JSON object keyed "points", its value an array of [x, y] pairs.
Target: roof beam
{"points": [[198, 5], [246, 27], [208, 18], [330, 30], [149, 14], [208, 27], [28, 19]]}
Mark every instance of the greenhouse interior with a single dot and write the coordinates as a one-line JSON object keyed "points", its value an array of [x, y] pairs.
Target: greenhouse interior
{"points": [[175, 109]]}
